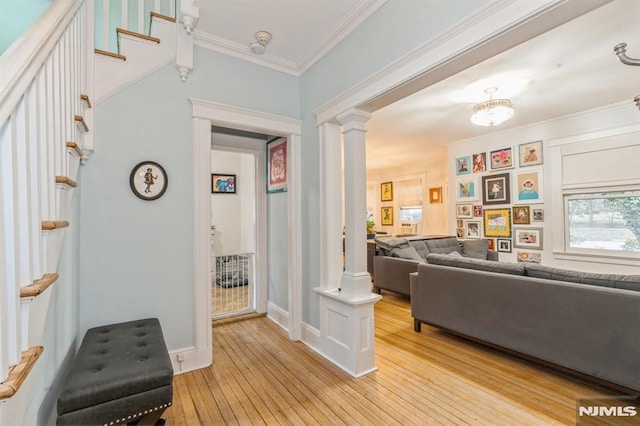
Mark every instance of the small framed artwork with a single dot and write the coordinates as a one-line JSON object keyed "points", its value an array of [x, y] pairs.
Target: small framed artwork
{"points": [[467, 189], [521, 215], [501, 158], [497, 222], [480, 162], [464, 211], [537, 215], [460, 232], [530, 154], [477, 210], [223, 183], [463, 165], [529, 257], [472, 229], [148, 180], [459, 223], [530, 238], [387, 216], [496, 189], [504, 245], [277, 165], [386, 191], [492, 244], [435, 195], [528, 186]]}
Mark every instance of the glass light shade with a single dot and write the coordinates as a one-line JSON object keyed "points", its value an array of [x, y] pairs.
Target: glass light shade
{"points": [[492, 113]]}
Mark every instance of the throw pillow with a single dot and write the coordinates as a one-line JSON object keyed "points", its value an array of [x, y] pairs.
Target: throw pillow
{"points": [[389, 243], [443, 245], [406, 253], [476, 249], [420, 247]]}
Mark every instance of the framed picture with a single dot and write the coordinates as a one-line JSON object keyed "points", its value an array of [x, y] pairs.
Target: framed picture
{"points": [[386, 191], [528, 186], [477, 210], [148, 180], [459, 223], [530, 154], [527, 238], [472, 229], [463, 165], [277, 165], [521, 215], [464, 211], [496, 189], [501, 158], [492, 244], [435, 195], [497, 222], [467, 189], [479, 162], [387, 216], [223, 184], [529, 257], [504, 245], [537, 215], [460, 232]]}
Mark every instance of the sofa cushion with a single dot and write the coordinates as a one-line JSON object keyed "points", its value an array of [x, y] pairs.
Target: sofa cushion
{"points": [[386, 244], [476, 249], [444, 245], [628, 282], [406, 253], [421, 248], [476, 264]]}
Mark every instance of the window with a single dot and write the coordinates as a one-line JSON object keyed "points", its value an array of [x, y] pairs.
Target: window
{"points": [[605, 221], [411, 214]]}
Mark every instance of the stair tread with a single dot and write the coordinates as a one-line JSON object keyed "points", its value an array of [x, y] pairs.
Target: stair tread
{"points": [[66, 181], [74, 146], [19, 372], [161, 16], [50, 225], [39, 286], [138, 35], [85, 98], [80, 120], [110, 54]]}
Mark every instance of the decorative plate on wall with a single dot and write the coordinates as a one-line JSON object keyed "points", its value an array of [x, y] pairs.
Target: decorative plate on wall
{"points": [[148, 180]]}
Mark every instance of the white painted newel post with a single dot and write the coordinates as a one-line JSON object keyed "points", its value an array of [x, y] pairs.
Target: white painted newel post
{"points": [[346, 313]]}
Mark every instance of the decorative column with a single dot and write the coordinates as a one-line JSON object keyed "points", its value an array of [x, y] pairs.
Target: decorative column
{"points": [[184, 39], [346, 308]]}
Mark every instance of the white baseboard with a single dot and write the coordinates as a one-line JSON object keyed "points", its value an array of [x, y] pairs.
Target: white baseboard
{"points": [[191, 359], [311, 337], [278, 315]]}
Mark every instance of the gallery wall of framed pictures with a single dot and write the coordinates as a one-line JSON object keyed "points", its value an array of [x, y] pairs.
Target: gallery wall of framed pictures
{"points": [[499, 196]]}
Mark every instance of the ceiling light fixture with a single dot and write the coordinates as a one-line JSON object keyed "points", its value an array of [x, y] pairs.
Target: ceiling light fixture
{"points": [[263, 38], [493, 111]]}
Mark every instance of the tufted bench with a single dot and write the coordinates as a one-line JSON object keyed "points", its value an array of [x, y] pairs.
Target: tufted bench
{"points": [[122, 373]]}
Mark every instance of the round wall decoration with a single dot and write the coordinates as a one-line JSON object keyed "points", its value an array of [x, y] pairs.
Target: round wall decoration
{"points": [[148, 180]]}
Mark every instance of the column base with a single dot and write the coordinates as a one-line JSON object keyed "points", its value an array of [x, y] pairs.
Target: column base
{"points": [[355, 285]]}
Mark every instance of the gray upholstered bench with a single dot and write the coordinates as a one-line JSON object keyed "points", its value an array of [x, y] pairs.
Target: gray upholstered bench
{"points": [[121, 374]]}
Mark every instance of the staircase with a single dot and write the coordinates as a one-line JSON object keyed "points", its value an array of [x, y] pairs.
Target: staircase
{"points": [[48, 81]]}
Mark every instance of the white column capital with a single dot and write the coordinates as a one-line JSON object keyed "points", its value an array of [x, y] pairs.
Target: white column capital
{"points": [[354, 119]]}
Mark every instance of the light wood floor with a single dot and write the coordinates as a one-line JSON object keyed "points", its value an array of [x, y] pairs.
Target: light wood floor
{"points": [[260, 377], [226, 301]]}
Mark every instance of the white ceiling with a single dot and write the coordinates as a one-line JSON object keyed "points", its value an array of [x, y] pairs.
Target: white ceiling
{"points": [[569, 69]]}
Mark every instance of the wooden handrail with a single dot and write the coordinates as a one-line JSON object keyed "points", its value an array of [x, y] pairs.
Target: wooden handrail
{"points": [[134, 34], [39, 286], [111, 54], [74, 146], [50, 225], [66, 181], [19, 372], [161, 16], [85, 98], [80, 120]]}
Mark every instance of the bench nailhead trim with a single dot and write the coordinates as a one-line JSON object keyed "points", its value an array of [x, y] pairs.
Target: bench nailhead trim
{"points": [[133, 416]]}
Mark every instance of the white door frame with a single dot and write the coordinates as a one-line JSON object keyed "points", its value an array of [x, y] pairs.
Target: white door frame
{"points": [[206, 114]]}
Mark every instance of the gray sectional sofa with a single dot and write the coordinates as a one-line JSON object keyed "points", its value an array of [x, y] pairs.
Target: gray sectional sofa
{"points": [[587, 323], [400, 256]]}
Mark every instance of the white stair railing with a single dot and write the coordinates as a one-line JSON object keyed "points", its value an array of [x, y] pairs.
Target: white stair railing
{"points": [[43, 78]]}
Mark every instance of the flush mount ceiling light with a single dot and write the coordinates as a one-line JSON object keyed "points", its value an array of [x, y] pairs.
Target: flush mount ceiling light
{"points": [[493, 111], [263, 38]]}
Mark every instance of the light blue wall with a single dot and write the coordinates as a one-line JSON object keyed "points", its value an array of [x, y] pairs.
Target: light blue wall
{"points": [[278, 291], [137, 256], [16, 16], [397, 28]]}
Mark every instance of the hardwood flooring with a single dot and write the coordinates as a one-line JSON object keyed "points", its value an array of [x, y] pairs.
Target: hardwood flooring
{"points": [[427, 378]]}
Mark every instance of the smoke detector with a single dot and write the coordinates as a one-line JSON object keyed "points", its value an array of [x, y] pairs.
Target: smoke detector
{"points": [[263, 38]]}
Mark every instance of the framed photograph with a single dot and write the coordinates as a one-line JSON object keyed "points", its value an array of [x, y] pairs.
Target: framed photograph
{"points": [[496, 189], [530, 238], [504, 245], [463, 165], [528, 186], [386, 191], [460, 232], [223, 184], [277, 165], [435, 195], [467, 189], [529, 257], [521, 215], [497, 222], [492, 244], [464, 211], [537, 215], [477, 210], [459, 223], [501, 158], [479, 162], [530, 154], [387, 216], [472, 229], [148, 180]]}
